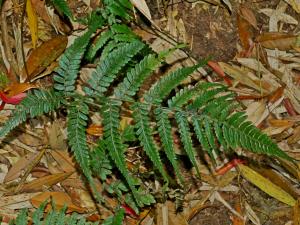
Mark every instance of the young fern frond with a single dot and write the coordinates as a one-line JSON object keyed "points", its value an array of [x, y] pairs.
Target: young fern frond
{"points": [[35, 104], [144, 133], [108, 69]]}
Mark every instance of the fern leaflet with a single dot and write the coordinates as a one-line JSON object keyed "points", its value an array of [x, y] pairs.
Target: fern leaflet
{"points": [[69, 65], [135, 77], [108, 69], [185, 136], [114, 146], [164, 130], [163, 87], [144, 133], [76, 124]]}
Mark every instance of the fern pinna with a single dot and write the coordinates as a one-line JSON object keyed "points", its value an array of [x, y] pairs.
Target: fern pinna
{"points": [[202, 113]]}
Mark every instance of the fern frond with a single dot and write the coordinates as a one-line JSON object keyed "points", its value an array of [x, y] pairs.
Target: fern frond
{"points": [[144, 133], [99, 43], [77, 118], [69, 65], [108, 69], [114, 146], [165, 133], [135, 77], [163, 87], [35, 104], [63, 7], [185, 136]]}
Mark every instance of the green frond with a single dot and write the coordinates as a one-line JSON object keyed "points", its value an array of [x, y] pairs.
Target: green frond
{"points": [[165, 134], [69, 65], [163, 87], [108, 69], [144, 133], [185, 136], [135, 77], [114, 145], [63, 7], [77, 118], [99, 43], [35, 104]]}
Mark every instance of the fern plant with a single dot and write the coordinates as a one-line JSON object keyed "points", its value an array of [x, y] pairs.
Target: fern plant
{"points": [[203, 113], [60, 217]]}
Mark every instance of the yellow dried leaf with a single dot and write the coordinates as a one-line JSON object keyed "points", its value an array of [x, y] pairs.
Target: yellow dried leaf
{"points": [[32, 22], [266, 185]]}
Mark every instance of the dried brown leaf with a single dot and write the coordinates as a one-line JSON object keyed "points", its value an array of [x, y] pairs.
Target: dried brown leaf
{"points": [[280, 41], [44, 55], [64, 160], [59, 198], [16, 170], [45, 182]]}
